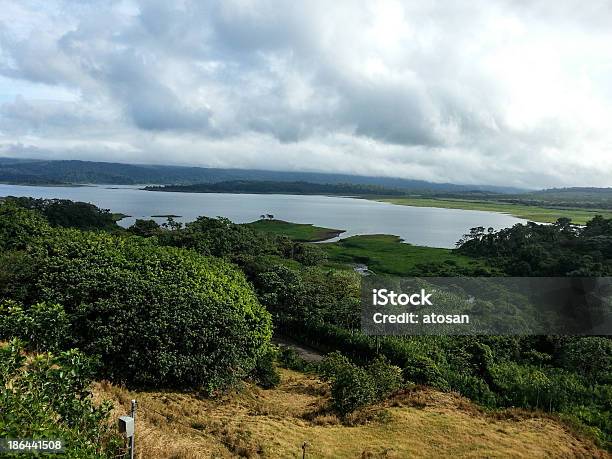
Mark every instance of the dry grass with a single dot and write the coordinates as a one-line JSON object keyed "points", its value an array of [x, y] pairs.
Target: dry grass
{"points": [[275, 424]]}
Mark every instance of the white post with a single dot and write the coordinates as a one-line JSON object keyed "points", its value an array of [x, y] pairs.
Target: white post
{"points": [[132, 442]]}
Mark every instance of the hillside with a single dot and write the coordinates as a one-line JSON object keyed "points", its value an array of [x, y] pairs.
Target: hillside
{"points": [[68, 171], [266, 186], [585, 197], [275, 423]]}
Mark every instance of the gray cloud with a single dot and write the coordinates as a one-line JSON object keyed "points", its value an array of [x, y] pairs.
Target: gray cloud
{"points": [[493, 92]]}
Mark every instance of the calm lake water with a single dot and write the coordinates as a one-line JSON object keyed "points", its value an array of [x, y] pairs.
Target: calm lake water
{"points": [[416, 225]]}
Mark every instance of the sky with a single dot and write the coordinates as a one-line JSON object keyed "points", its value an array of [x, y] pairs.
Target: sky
{"points": [[500, 92]]}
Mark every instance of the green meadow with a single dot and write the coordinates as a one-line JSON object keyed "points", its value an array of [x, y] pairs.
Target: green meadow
{"points": [[386, 254], [299, 232], [533, 213]]}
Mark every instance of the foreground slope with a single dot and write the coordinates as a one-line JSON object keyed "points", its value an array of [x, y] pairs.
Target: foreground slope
{"points": [[275, 423]]}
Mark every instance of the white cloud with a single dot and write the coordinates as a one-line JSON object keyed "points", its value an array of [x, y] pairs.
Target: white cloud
{"points": [[497, 92]]}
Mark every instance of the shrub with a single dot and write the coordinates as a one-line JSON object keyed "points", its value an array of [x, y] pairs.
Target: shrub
{"points": [[332, 365], [420, 369], [308, 255], [70, 214], [44, 326], [145, 228], [265, 373], [472, 387], [387, 377], [352, 387], [47, 397], [589, 356], [19, 227], [289, 358], [156, 316]]}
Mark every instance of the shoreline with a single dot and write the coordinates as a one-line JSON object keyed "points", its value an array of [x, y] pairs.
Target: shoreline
{"points": [[538, 214]]}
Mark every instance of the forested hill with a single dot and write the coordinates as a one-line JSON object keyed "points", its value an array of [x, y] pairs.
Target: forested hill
{"points": [[249, 186], [55, 171], [582, 196]]}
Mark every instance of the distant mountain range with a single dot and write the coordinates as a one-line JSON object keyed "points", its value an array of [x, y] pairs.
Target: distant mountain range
{"points": [[36, 172]]}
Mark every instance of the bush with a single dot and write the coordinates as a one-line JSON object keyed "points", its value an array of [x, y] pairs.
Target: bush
{"points": [[354, 387], [308, 255], [332, 365], [265, 373], [70, 214], [422, 370], [145, 228], [388, 378], [156, 316], [16, 264], [589, 356], [44, 326], [219, 237], [472, 387], [47, 397], [289, 358], [19, 227]]}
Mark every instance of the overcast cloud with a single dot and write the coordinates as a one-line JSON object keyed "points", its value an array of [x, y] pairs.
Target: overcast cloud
{"points": [[492, 92]]}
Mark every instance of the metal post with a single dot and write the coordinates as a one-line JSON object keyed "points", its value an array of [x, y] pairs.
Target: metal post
{"points": [[132, 442]]}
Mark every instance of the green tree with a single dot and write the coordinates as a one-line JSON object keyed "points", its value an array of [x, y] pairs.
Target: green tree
{"points": [[145, 228], [591, 357]]}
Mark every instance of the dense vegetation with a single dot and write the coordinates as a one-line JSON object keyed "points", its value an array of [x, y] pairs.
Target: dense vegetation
{"points": [[582, 197], [18, 178], [47, 396], [354, 386], [320, 306], [560, 249], [155, 316], [70, 214], [255, 186], [181, 287]]}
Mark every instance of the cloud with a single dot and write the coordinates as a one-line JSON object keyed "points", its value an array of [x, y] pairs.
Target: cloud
{"points": [[498, 92]]}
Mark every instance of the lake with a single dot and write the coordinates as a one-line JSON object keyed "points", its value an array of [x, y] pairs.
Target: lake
{"points": [[417, 225]]}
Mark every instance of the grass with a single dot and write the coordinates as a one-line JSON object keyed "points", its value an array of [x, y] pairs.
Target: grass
{"points": [[117, 216], [385, 254], [533, 213], [299, 232], [275, 423]]}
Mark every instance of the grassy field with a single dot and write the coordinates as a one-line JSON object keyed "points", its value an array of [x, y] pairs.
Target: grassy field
{"points": [[118, 216], [275, 423], [385, 254], [297, 231], [533, 213]]}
